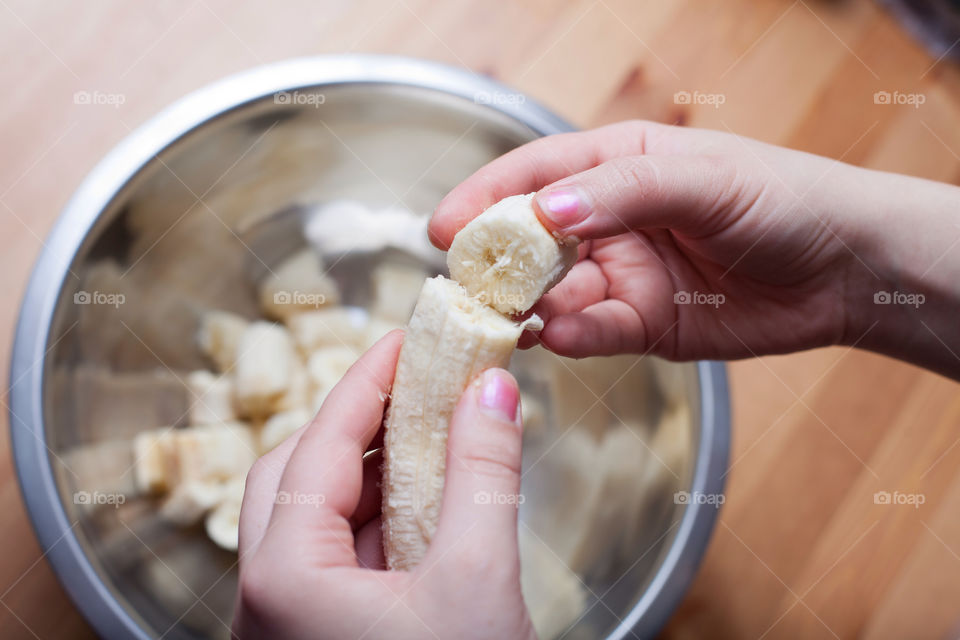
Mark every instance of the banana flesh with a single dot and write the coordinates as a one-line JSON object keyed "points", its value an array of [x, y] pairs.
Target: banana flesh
{"points": [[451, 338], [507, 258]]}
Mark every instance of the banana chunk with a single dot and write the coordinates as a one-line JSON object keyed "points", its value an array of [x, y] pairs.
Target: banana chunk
{"points": [[189, 501], [337, 327], [507, 258], [451, 339], [214, 453], [281, 426], [223, 523], [266, 360], [155, 465], [396, 286], [212, 398], [297, 284], [219, 336]]}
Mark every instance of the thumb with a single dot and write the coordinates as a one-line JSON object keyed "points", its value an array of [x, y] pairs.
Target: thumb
{"points": [[481, 492], [691, 194]]}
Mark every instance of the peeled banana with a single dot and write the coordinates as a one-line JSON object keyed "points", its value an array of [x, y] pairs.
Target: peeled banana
{"points": [[451, 338], [507, 258]]}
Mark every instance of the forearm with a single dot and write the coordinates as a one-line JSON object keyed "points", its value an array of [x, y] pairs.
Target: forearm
{"points": [[903, 282]]}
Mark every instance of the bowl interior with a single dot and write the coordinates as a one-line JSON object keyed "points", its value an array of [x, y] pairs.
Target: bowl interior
{"points": [[192, 232]]}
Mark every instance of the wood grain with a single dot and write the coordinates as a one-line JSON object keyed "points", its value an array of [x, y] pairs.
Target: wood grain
{"points": [[801, 549]]}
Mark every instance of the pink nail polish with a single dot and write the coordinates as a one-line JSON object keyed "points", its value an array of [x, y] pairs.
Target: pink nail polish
{"points": [[498, 395], [564, 206]]}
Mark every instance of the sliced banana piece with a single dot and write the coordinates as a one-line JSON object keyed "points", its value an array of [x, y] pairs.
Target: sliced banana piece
{"points": [[281, 426], [379, 327], [214, 453], [219, 336], [507, 258], [223, 523], [211, 398], [155, 464], [326, 367], [450, 340], [296, 284], [187, 504], [265, 362], [336, 327], [396, 286]]}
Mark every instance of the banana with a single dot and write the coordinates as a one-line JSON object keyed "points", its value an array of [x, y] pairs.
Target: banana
{"points": [[156, 464], [555, 596], [451, 338], [189, 501], [396, 286], [336, 327], [297, 284], [214, 453], [223, 523], [507, 258], [219, 336], [325, 368], [281, 426], [211, 398], [266, 359]]}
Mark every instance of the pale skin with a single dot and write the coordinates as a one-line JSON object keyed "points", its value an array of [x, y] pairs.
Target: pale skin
{"points": [[801, 249]]}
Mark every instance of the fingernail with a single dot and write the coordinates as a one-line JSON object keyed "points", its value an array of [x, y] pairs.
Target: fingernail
{"points": [[564, 206], [498, 395]]}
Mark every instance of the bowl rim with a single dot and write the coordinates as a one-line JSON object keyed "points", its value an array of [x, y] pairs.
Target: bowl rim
{"points": [[60, 544]]}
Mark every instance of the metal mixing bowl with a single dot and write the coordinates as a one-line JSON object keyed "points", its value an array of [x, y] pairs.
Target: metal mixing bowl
{"points": [[173, 220]]}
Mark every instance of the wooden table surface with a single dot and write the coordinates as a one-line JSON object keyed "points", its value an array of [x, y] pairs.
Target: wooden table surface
{"points": [[801, 550]]}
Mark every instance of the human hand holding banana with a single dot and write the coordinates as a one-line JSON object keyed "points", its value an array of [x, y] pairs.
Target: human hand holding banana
{"points": [[311, 563], [700, 244]]}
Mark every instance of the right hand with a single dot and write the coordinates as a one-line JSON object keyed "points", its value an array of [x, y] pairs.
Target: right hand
{"points": [[696, 244]]}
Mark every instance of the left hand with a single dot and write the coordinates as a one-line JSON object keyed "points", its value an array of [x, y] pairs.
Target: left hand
{"points": [[312, 566]]}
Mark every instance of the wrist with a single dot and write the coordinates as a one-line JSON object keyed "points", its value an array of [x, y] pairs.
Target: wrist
{"points": [[902, 291]]}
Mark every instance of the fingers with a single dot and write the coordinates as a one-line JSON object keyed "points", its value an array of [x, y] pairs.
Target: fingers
{"points": [[695, 195], [260, 492], [533, 166], [480, 496], [324, 475], [368, 506]]}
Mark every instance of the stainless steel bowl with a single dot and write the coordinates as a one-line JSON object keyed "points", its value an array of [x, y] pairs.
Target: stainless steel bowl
{"points": [[165, 220]]}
